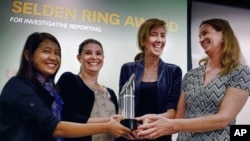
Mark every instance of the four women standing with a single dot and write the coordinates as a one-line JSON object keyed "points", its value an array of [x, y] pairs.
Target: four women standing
{"points": [[31, 107]]}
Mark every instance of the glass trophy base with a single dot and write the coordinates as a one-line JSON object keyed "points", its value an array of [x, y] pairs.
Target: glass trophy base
{"points": [[130, 123]]}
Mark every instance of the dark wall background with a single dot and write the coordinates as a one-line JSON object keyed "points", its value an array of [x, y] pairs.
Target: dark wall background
{"points": [[238, 4], [232, 3]]}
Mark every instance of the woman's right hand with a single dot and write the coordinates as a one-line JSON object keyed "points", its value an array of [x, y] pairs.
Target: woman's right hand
{"points": [[116, 129]]}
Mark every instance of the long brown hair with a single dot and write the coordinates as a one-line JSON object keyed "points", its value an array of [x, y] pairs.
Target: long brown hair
{"points": [[231, 54]]}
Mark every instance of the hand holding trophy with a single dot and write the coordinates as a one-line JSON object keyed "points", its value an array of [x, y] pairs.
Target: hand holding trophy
{"points": [[127, 104]]}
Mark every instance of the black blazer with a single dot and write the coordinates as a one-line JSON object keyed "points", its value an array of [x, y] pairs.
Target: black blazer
{"points": [[25, 112]]}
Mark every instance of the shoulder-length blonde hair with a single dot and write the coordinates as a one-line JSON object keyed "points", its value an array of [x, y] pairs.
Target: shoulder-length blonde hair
{"points": [[144, 33]]}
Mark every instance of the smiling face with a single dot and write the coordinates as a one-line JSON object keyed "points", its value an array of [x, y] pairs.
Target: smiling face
{"points": [[210, 39], [156, 41], [91, 58], [46, 58]]}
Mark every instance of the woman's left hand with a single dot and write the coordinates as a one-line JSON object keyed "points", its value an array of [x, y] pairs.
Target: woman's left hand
{"points": [[157, 127]]}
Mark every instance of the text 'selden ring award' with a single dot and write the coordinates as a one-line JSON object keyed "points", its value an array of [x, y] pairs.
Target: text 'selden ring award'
{"points": [[127, 104]]}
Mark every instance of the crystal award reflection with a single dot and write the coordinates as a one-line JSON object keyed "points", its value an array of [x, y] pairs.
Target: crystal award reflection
{"points": [[127, 104]]}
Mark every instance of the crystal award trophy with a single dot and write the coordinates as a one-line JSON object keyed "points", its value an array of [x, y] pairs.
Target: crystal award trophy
{"points": [[127, 104]]}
